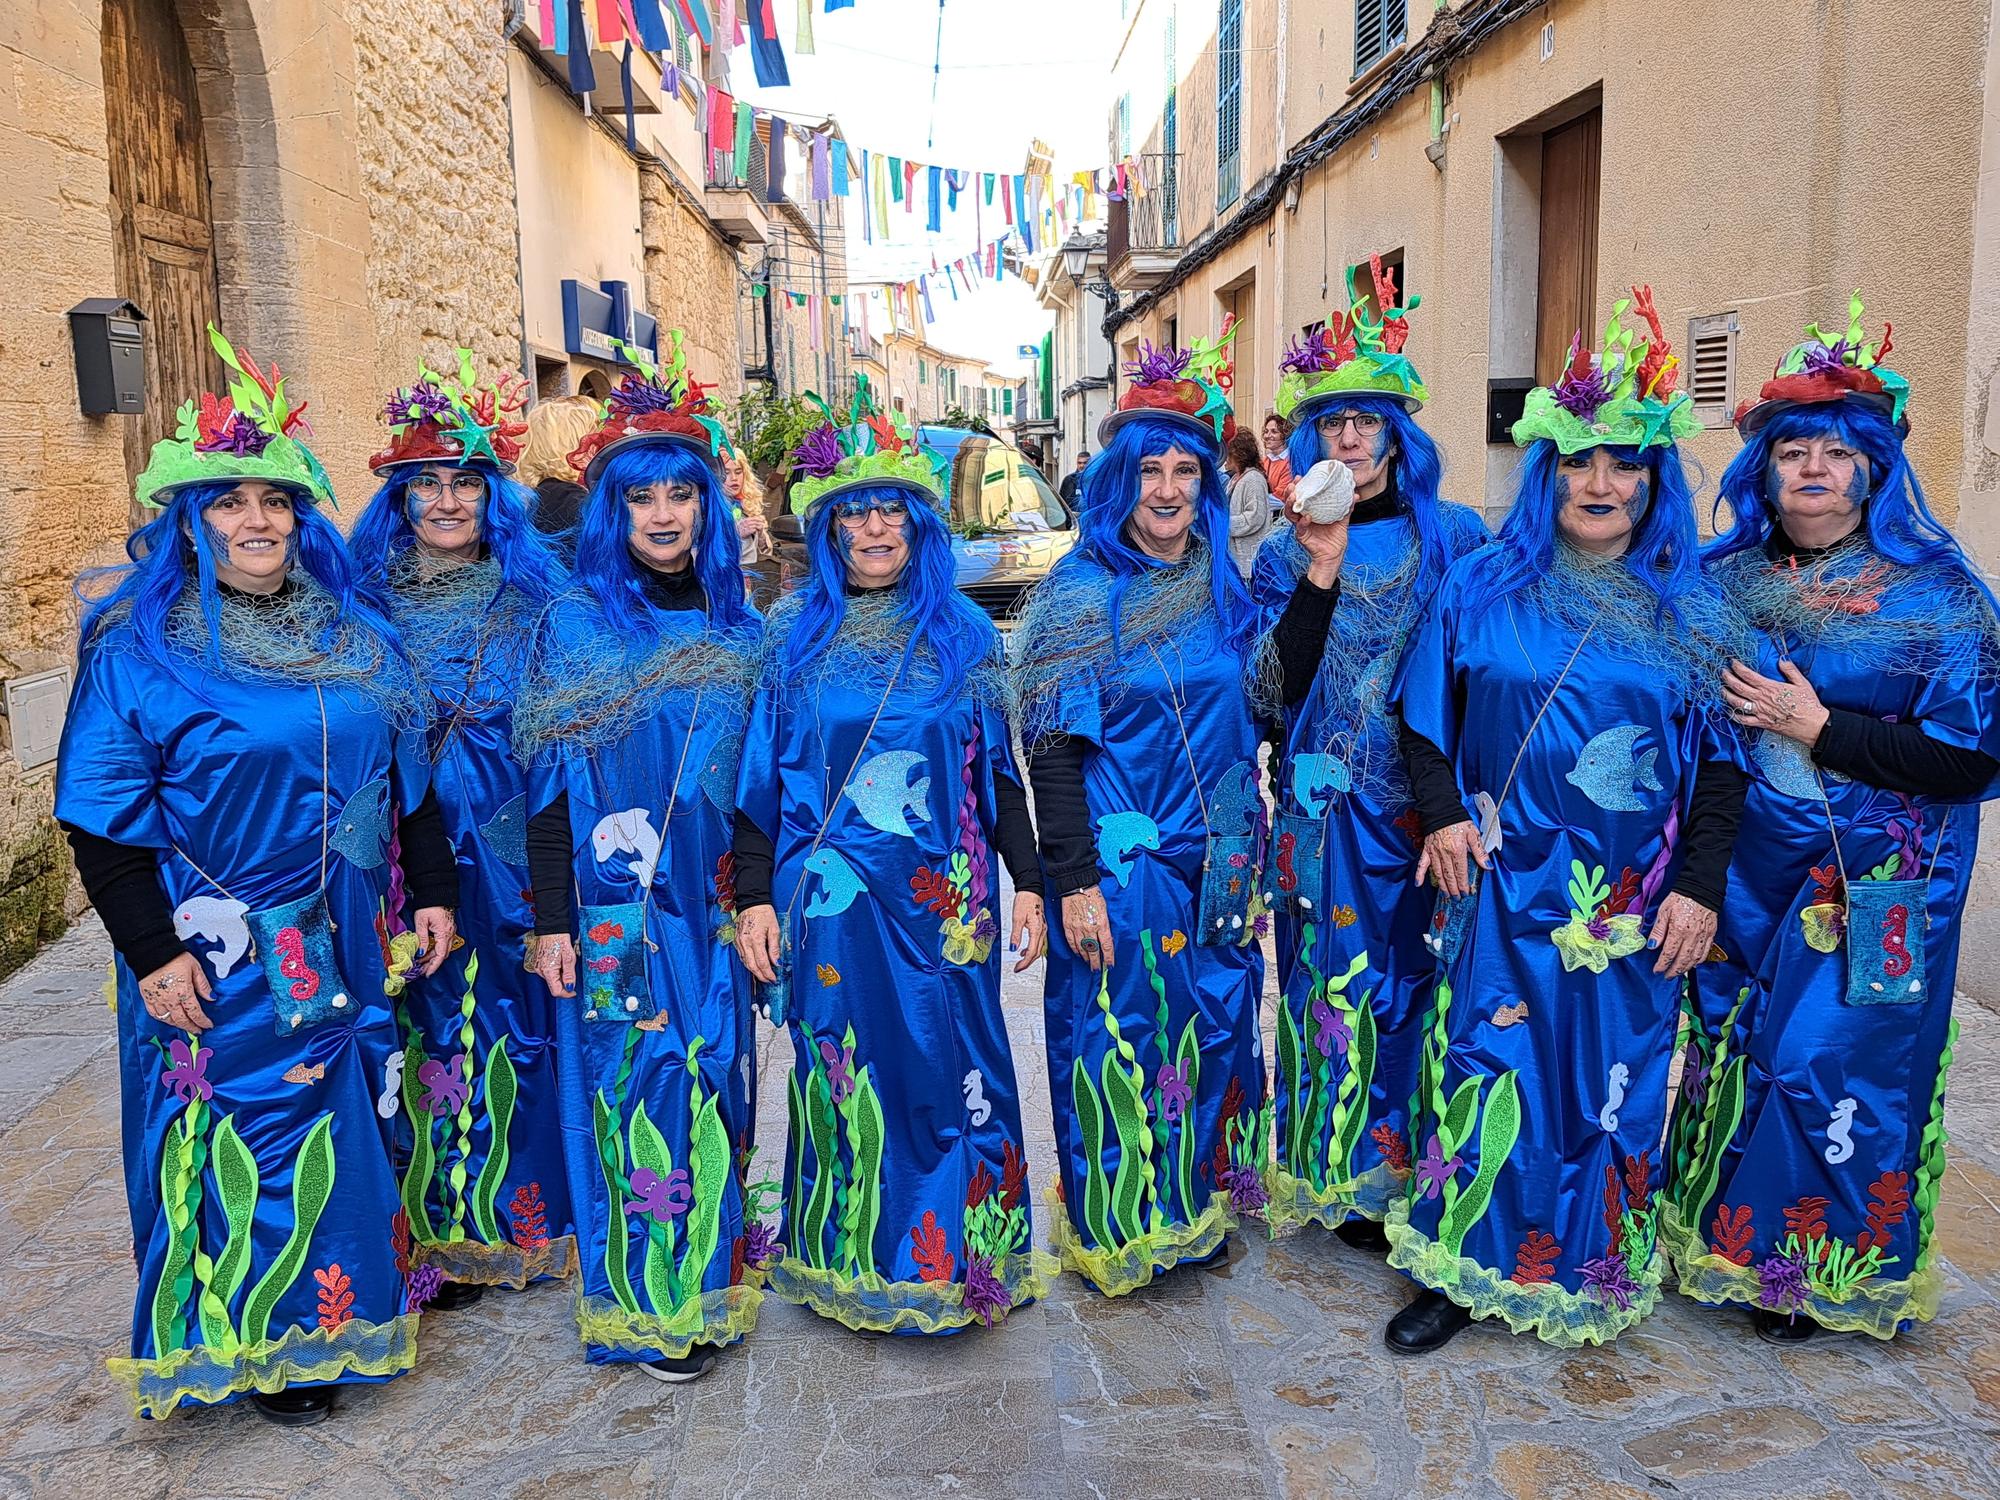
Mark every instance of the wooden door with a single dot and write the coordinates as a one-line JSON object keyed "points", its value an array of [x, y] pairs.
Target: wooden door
{"points": [[162, 234], [1567, 290]]}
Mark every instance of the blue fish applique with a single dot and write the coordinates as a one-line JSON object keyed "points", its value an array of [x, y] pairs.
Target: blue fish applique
{"points": [[839, 884], [1315, 777], [718, 772], [361, 832], [1607, 772], [506, 832], [884, 795], [1232, 806], [1118, 835], [1786, 766]]}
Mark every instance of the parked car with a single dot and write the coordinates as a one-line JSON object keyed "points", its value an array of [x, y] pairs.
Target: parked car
{"points": [[1009, 526]]}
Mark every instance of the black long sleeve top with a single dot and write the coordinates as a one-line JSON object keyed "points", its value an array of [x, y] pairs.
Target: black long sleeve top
{"points": [[1715, 812]]}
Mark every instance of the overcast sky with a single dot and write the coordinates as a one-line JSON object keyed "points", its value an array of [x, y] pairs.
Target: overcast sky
{"points": [[1009, 72]]}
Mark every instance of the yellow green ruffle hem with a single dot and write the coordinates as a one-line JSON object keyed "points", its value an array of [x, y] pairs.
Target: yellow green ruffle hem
{"points": [[1874, 1307], [716, 1319], [508, 1265], [300, 1356], [1295, 1202], [1566, 1319], [867, 1303], [1127, 1267]]}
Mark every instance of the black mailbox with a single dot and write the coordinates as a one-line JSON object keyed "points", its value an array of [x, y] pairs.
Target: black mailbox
{"points": [[1505, 401], [110, 356]]}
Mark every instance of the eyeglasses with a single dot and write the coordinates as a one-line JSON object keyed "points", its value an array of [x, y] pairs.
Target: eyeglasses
{"points": [[467, 487], [853, 513], [1366, 423]]}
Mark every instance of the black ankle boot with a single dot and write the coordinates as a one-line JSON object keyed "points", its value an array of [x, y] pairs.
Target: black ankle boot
{"points": [[297, 1408], [1782, 1328], [692, 1365], [1362, 1234], [1428, 1323], [455, 1294]]}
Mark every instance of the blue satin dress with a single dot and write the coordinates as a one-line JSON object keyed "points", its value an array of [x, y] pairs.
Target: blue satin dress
{"points": [[257, 1153], [1542, 1081], [905, 1189], [484, 1190], [1352, 961], [1808, 1144], [1156, 1067], [658, 1095]]}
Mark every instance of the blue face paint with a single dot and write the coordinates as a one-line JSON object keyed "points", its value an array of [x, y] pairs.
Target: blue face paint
{"points": [[1641, 502], [1857, 487]]}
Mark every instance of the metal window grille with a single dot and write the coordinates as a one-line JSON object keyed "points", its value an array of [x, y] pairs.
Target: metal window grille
{"points": [[1711, 372], [1380, 26], [1170, 145], [1228, 102]]}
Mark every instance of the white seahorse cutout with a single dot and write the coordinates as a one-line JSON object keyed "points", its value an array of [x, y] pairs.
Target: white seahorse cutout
{"points": [[975, 1098], [391, 1098], [1620, 1075], [628, 832], [1838, 1124]]}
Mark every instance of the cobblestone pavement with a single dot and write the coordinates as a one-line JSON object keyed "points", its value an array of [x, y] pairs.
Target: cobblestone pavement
{"points": [[1264, 1376]]}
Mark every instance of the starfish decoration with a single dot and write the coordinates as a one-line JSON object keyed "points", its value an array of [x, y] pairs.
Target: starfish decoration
{"points": [[475, 440], [1656, 419], [1398, 368]]}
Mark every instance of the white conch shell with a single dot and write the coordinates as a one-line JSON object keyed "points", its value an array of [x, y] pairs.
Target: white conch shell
{"points": [[1325, 494]]}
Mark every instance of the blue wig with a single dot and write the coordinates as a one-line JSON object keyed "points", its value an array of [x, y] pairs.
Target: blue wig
{"points": [[1900, 524], [943, 623], [178, 547], [1418, 466], [527, 562], [605, 566], [1664, 552], [1110, 494]]}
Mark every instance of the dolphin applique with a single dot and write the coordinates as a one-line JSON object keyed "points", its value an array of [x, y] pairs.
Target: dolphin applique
{"points": [[1232, 806], [718, 772], [215, 919], [1606, 772], [1315, 777], [884, 795], [839, 884], [506, 832], [361, 832], [628, 832], [1118, 834]]}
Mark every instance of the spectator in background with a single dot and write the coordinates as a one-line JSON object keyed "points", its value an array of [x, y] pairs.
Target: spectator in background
{"points": [[1277, 466], [1250, 515], [555, 428], [752, 528], [1074, 479]]}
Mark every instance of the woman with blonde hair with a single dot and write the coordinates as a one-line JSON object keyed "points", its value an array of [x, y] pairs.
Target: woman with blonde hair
{"points": [[556, 428]]}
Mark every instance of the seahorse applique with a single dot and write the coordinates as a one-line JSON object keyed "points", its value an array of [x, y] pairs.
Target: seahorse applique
{"points": [[1607, 1117], [1838, 1125]]}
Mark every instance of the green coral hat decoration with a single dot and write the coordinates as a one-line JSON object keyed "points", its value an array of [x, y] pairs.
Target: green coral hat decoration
{"points": [[1622, 397], [871, 448], [1356, 354], [252, 433]]}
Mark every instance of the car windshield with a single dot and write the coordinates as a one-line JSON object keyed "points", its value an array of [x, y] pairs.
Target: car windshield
{"points": [[994, 489]]}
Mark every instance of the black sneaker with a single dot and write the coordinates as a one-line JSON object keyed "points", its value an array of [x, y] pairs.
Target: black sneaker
{"points": [[1362, 1234], [692, 1365], [295, 1408], [453, 1295], [1429, 1323], [1781, 1328]]}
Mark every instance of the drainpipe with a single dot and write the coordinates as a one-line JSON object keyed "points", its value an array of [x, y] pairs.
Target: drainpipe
{"points": [[517, 17], [1435, 150]]}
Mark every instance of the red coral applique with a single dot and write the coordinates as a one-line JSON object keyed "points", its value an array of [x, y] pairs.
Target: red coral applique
{"points": [[981, 1185], [725, 881], [1638, 1181], [399, 1241], [1623, 894], [1013, 1176], [336, 1296], [1891, 1201], [1807, 1220], [529, 1216], [1731, 1231], [1614, 1207], [933, 888], [1395, 1150], [935, 1262], [1535, 1261]]}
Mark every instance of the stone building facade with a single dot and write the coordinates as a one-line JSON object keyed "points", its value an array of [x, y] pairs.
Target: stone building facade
{"points": [[344, 186]]}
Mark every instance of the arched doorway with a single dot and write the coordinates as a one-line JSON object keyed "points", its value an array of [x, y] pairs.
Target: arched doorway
{"points": [[595, 384], [163, 235]]}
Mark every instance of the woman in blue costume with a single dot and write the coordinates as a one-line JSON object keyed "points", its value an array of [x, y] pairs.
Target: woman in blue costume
{"points": [[878, 781], [1134, 678], [1808, 1147], [447, 541], [629, 722], [1565, 686], [236, 747], [1353, 963]]}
